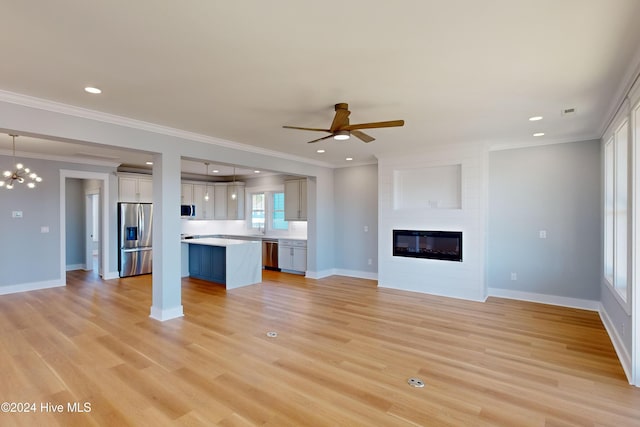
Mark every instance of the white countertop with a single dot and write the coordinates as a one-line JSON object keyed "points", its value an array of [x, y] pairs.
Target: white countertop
{"points": [[214, 241], [246, 237]]}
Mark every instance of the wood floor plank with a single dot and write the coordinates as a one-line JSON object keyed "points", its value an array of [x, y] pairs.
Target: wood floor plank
{"points": [[344, 351]]}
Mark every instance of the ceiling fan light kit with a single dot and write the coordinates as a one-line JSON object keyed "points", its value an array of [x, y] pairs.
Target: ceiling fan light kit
{"points": [[341, 135], [341, 129]]}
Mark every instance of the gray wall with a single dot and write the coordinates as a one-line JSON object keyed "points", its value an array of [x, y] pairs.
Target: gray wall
{"points": [[356, 206], [75, 222], [554, 188], [32, 256]]}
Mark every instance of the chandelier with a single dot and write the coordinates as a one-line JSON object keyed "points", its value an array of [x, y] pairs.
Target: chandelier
{"points": [[20, 174]]}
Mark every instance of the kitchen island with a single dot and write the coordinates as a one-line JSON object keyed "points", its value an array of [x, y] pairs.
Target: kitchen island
{"points": [[232, 262]]}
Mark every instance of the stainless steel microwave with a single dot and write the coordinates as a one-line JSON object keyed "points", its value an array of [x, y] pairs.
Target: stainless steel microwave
{"points": [[187, 211]]}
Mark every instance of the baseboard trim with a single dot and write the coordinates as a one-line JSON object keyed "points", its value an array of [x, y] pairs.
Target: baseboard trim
{"points": [[318, 274], [72, 267], [111, 275], [25, 287], [583, 304], [167, 314], [618, 343], [356, 273]]}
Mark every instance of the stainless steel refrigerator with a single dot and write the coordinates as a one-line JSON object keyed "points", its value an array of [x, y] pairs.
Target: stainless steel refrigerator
{"points": [[134, 234]]}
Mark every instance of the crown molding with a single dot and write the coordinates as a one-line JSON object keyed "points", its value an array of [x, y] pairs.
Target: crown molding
{"points": [[528, 143], [67, 159], [71, 110], [625, 88]]}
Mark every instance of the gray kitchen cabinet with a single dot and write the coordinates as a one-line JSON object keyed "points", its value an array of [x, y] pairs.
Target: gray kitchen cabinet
{"points": [[292, 255], [295, 200]]}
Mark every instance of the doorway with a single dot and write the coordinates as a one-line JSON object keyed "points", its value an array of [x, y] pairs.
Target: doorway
{"points": [[102, 183], [92, 228]]}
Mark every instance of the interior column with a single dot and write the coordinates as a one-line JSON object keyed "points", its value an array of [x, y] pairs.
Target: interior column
{"points": [[167, 292]]}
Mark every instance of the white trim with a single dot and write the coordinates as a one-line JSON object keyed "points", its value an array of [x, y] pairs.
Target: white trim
{"points": [[72, 267], [624, 89], [618, 343], [634, 283], [111, 275], [70, 110], [356, 273], [104, 177], [319, 274], [167, 314], [55, 158], [583, 304], [34, 286], [499, 146]]}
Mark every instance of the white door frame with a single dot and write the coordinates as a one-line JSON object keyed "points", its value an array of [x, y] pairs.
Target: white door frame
{"points": [[104, 240], [89, 195]]}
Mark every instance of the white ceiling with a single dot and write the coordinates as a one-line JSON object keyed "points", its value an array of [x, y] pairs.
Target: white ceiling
{"points": [[455, 71]]}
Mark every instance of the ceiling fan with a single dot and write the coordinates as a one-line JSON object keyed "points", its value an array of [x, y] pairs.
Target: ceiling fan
{"points": [[341, 129]]}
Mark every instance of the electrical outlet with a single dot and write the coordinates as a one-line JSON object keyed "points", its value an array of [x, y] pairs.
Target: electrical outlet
{"points": [[16, 214], [543, 234], [366, 228], [514, 276]]}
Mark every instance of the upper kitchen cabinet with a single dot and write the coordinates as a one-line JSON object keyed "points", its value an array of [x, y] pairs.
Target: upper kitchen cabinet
{"points": [[203, 198], [201, 195], [235, 201], [229, 201], [186, 194], [295, 200], [135, 188]]}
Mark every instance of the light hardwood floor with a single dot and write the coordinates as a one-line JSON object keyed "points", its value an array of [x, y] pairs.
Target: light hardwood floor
{"points": [[343, 354]]}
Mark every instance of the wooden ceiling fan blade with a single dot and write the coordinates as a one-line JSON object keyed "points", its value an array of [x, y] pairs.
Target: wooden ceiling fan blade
{"points": [[362, 136], [320, 139], [389, 124], [313, 129], [340, 119]]}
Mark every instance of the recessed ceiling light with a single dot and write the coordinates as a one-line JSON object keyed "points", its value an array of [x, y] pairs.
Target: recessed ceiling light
{"points": [[93, 90], [149, 163], [348, 159], [216, 171], [535, 118], [539, 134], [320, 151], [256, 171]]}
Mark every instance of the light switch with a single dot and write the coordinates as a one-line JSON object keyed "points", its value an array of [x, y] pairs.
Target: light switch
{"points": [[16, 214], [44, 229]]}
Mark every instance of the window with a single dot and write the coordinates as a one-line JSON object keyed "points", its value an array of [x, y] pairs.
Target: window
{"points": [[277, 219], [267, 211], [257, 210], [616, 205], [609, 211]]}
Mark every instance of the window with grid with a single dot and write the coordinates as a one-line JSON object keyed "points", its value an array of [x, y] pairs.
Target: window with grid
{"points": [[257, 210], [277, 216], [616, 205]]}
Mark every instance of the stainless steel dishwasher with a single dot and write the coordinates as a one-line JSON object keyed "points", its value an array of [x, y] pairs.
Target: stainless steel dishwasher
{"points": [[270, 255]]}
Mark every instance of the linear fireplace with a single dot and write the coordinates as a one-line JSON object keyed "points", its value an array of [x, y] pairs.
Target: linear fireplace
{"points": [[443, 245]]}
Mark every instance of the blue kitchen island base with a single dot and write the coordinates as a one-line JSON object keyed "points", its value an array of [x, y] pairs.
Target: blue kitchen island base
{"points": [[231, 262]]}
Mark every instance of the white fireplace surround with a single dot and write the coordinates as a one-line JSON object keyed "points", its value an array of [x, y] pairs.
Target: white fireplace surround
{"points": [[462, 171]]}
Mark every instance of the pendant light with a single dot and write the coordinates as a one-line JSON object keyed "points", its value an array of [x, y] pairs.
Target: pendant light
{"points": [[234, 195], [206, 172], [20, 173]]}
